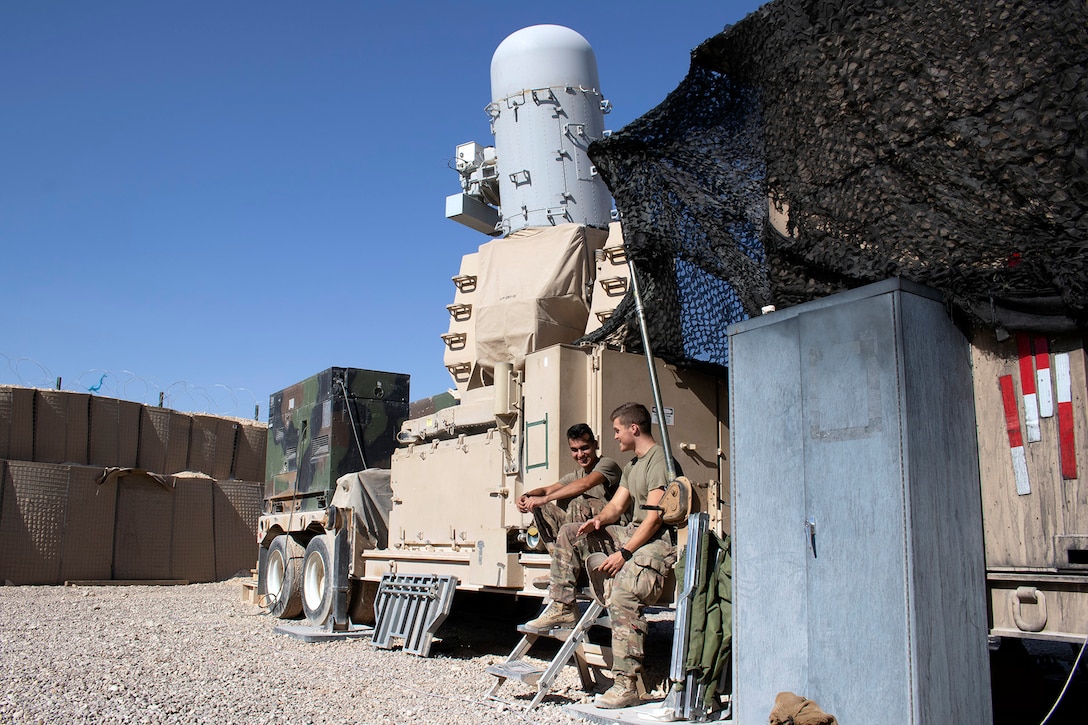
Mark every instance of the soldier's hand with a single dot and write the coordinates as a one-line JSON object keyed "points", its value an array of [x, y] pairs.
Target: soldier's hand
{"points": [[534, 502], [594, 524], [612, 564], [522, 504]]}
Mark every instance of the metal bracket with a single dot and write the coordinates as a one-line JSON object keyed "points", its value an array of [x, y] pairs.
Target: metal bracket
{"points": [[455, 340], [460, 311], [465, 282], [613, 286], [459, 370], [615, 255]]}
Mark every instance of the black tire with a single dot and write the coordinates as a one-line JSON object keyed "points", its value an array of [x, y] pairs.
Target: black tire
{"points": [[317, 583], [283, 577], [361, 608]]}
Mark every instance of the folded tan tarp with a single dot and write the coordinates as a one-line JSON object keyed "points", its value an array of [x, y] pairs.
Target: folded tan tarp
{"points": [[534, 288]]}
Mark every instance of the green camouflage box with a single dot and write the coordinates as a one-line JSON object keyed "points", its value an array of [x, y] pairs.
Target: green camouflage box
{"points": [[336, 422]]}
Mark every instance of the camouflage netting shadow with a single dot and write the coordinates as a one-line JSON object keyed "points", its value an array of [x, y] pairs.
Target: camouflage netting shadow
{"points": [[946, 143]]}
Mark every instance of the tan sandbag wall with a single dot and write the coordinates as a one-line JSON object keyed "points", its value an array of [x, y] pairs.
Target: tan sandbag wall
{"points": [[62, 519]]}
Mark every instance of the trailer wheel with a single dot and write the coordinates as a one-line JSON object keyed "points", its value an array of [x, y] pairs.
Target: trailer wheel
{"points": [[363, 594], [317, 587], [284, 576]]}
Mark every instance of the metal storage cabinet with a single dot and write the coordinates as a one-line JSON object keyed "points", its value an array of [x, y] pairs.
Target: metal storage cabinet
{"points": [[857, 548]]}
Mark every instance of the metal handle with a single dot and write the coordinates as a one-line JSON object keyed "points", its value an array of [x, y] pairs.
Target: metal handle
{"points": [[810, 526], [1028, 618]]}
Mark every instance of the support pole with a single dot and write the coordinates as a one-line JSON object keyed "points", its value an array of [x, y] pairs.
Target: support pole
{"points": [[662, 427]]}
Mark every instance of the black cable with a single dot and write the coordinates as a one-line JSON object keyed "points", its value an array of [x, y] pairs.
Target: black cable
{"points": [[349, 403]]}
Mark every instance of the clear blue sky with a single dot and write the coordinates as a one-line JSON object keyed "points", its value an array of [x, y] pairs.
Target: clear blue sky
{"points": [[218, 199]]}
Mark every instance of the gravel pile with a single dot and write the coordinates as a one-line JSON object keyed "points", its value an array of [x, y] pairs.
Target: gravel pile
{"points": [[199, 654]]}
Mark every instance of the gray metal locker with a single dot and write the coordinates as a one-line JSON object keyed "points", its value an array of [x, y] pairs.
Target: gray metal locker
{"points": [[859, 579]]}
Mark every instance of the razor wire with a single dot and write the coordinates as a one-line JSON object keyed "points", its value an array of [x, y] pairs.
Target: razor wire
{"points": [[181, 395]]}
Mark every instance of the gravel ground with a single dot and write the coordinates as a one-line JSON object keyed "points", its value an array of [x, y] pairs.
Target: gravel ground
{"points": [[199, 654]]}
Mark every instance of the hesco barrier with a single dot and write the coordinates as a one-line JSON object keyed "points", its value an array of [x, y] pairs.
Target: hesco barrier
{"points": [[62, 523], [58, 426], [97, 488], [942, 142]]}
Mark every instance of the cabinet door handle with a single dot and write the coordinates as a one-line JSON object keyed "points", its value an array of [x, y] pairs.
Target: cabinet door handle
{"points": [[810, 526]]}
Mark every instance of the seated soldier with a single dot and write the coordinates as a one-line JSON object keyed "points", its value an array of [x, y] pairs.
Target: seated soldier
{"points": [[578, 496], [639, 555]]}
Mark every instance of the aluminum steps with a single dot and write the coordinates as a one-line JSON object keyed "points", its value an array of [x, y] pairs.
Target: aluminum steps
{"points": [[592, 660]]}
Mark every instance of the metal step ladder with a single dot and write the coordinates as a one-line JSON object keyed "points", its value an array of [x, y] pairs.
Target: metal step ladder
{"points": [[591, 659]]}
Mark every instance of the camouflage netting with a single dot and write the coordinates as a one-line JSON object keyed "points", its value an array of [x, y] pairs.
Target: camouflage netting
{"points": [[943, 142]]}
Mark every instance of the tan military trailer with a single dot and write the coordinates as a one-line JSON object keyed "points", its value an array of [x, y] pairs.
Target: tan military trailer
{"points": [[437, 493]]}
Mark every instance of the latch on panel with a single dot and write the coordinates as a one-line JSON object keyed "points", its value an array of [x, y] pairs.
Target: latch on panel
{"points": [[810, 526]]}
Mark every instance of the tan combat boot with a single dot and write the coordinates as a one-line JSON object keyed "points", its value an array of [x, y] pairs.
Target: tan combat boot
{"points": [[557, 614], [622, 694]]}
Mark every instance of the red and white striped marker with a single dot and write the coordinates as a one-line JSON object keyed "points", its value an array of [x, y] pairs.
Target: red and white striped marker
{"points": [[1042, 372], [1065, 416], [1016, 443], [1027, 383]]}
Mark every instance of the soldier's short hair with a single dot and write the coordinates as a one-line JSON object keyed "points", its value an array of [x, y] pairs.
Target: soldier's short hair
{"points": [[581, 432], [633, 414]]}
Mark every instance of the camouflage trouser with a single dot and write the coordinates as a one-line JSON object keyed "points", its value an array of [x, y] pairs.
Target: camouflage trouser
{"points": [[640, 582], [550, 517]]}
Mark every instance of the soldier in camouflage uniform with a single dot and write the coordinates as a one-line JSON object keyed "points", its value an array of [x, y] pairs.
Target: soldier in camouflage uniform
{"points": [[640, 555], [578, 496]]}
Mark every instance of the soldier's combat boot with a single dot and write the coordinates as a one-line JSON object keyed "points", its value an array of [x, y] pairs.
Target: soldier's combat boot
{"points": [[622, 694], [557, 614]]}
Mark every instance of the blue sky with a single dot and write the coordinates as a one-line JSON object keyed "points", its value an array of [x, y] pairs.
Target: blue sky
{"points": [[214, 200]]}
